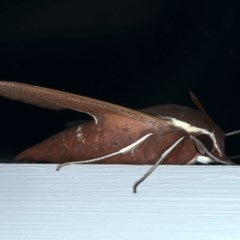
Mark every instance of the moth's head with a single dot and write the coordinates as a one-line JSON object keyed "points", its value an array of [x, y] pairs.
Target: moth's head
{"points": [[209, 141], [210, 147]]}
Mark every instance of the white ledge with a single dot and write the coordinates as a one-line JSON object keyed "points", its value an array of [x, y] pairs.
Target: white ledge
{"points": [[96, 202]]}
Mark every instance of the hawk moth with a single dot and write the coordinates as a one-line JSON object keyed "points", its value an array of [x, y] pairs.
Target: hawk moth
{"points": [[163, 134]]}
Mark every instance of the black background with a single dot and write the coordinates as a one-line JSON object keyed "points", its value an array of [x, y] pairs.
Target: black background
{"points": [[132, 53]]}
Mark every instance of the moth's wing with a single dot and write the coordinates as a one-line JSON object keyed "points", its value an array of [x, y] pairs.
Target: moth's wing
{"points": [[54, 99], [74, 123]]}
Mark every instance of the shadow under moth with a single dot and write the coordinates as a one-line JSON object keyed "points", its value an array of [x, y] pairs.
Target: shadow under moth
{"points": [[163, 134]]}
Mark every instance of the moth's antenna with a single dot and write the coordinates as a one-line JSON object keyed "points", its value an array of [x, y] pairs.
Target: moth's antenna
{"points": [[202, 109], [234, 157], [232, 133], [229, 134]]}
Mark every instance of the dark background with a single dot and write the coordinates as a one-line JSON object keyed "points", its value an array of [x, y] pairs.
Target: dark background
{"points": [[132, 53]]}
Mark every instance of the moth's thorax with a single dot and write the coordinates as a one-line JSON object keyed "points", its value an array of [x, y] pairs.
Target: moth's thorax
{"points": [[194, 123], [195, 131]]}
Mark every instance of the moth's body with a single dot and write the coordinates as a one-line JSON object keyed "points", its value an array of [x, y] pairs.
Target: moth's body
{"points": [[89, 141], [174, 134]]}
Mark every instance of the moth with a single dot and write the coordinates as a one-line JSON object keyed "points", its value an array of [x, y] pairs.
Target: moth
{"points": [[163, 134]]}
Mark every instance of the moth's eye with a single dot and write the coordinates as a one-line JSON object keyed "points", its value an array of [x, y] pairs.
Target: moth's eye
{"points": [[206, 141]]}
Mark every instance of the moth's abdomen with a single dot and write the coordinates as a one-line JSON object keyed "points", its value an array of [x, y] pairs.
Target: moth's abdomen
{"points": [[88, 141]]}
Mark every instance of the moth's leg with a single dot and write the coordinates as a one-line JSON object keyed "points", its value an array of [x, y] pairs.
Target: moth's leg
{"points": [[121, 151], [161, 159], [200, 159], [192, 161]]}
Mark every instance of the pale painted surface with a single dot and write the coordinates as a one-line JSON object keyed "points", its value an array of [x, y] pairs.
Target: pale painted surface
{"points": [[96, 202]]}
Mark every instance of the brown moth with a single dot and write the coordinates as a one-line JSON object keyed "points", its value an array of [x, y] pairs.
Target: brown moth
{"points": [[164, 134]]}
